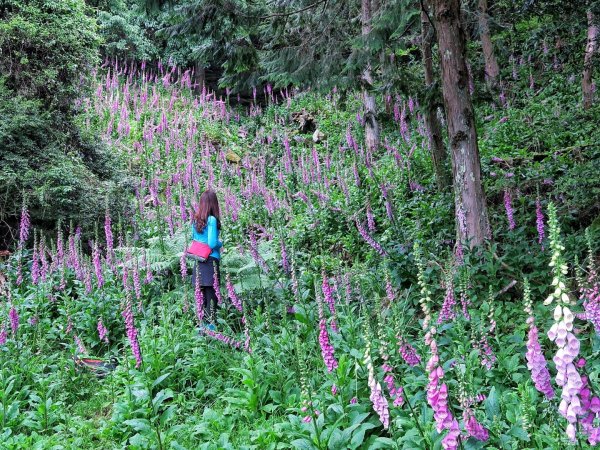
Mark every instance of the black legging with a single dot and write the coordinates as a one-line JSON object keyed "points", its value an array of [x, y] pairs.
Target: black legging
{"points": [[204, 274], [210, 302]]}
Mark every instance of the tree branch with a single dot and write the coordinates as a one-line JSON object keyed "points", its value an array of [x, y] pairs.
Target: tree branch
{"points": [[424, 9], [298, 11]]}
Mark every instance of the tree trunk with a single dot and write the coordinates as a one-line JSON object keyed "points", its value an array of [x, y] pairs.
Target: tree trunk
{"points": [[491, 64], [432, 123], [471, 210], [590, 49], [369, 104]]}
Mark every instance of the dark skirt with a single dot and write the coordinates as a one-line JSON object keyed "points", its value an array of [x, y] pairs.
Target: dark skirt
{"points": [[206, 272]]}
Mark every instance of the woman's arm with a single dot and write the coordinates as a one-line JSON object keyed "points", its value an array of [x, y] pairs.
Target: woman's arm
{"points": [[212, 232]]}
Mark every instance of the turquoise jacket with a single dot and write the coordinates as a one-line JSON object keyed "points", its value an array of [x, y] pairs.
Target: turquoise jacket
{"points": [[209, 236]]}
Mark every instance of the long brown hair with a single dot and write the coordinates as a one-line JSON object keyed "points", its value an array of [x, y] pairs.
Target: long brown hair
{"points": [[209, 206]]}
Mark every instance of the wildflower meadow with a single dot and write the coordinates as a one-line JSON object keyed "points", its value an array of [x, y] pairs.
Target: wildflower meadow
{"points": [[356, 309]]}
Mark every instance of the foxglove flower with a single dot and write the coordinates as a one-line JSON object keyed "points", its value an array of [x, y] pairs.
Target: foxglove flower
{"points": [[509, 209], [87, 279], [539, 221], [388, 205], [370, 219], [255, 253], [326, 348], [394, 390], [232, 295], [451, 440], [590, 409], [35, 265], [217, 286], [24, 227], [80, 347], [183, 265], [13, 316], [246, 334], [464, 301], [285, 264], [69, 325], [109, 238], [19, 272], [437, 391], [328, 297], [448, 313], [378, 400], [369, 240], [137, 285], [591, 304], [389, 289], [228, 340], [98, 266], [102, 331], [132, 332], [408, 352], [561, 331], [536, 362]]}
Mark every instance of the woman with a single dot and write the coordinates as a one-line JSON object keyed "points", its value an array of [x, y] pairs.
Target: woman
{"points": [[206, 227]]}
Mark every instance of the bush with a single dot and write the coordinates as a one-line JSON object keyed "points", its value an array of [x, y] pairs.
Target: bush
{"points": [[46, 47]]}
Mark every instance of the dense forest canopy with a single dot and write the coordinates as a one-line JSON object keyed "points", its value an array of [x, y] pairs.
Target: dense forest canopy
{"points": [[406, 250]]}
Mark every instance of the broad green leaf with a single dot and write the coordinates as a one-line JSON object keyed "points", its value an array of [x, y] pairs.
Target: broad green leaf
{"points": [[139, 424], [160, 379]]}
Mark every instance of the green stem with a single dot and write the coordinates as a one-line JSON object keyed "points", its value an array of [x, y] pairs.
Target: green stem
{"points": [[412, 411]]}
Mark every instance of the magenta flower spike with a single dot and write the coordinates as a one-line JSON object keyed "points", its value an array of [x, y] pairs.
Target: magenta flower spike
{"points": [[509, 209], [109, 238], [102, 331], [448, 313], [217, 287], [329, 300], [285, 264], [370, 219], [326, 347], [183, 265], [132, 331], [35, 267], [13, 317], [369, 240], [80, 347], [408, 352], [237, 303], [539, 221], [24, 227], [98, 266]]}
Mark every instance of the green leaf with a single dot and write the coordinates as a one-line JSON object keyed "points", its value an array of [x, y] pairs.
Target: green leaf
{"points": [[303, 444], [337, 441], [167, 415], [519, 433], [142, 425], [160, 379], [381, 442], [359, 435], [358, 418], [492, 407], [160, 397]]}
